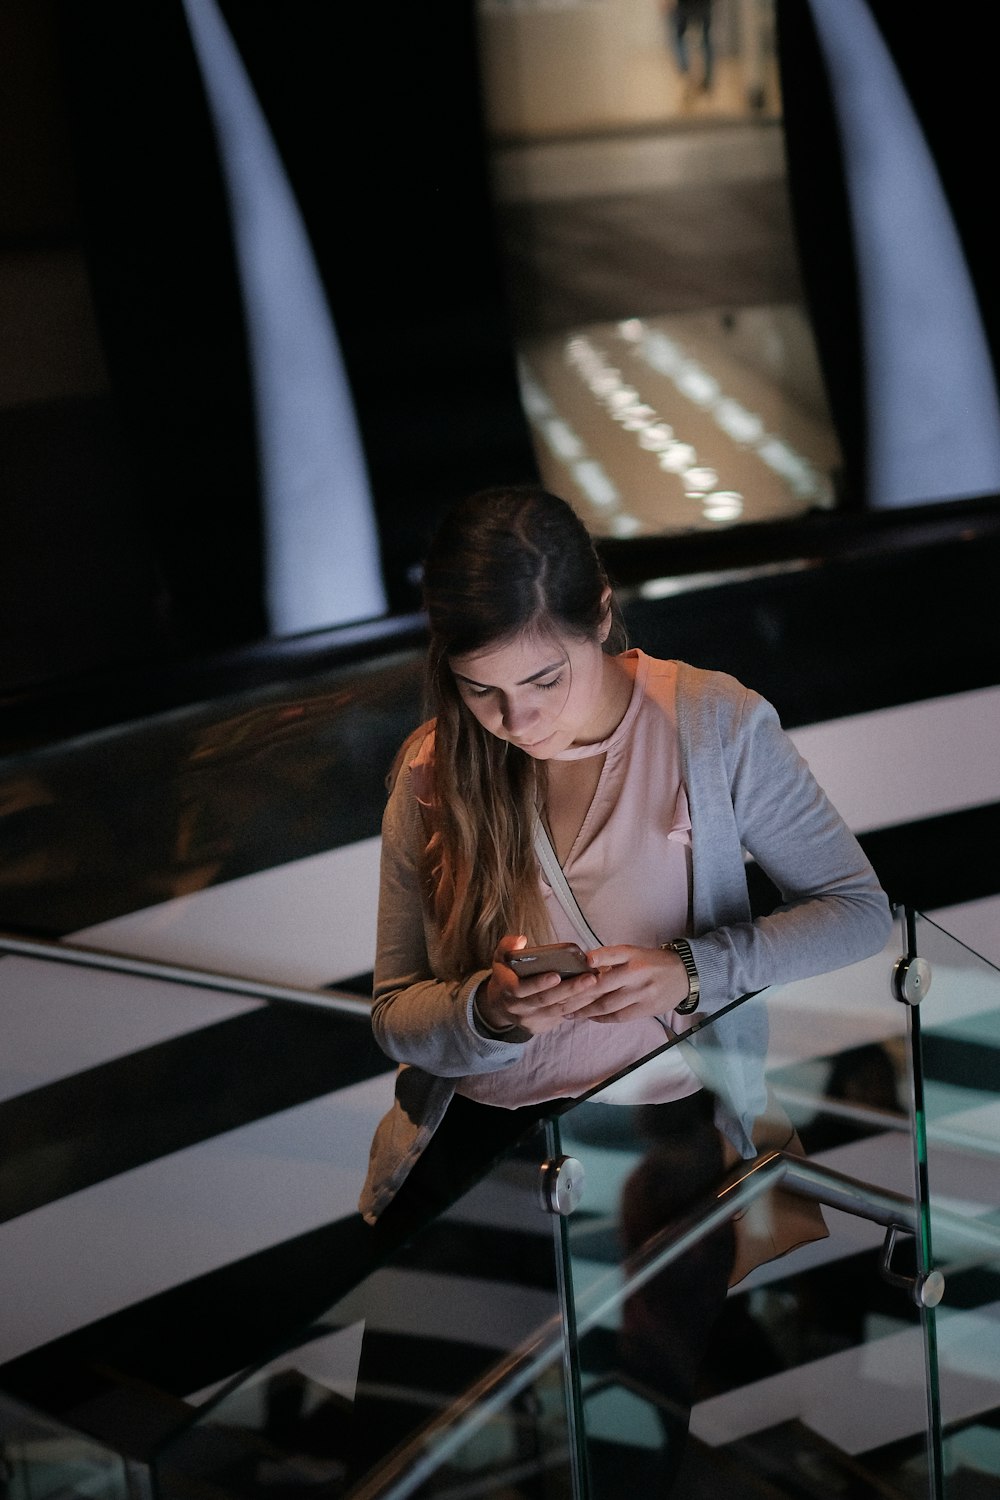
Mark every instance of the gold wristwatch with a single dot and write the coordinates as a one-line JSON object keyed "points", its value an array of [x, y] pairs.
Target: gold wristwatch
{"points": [[682, 948]]}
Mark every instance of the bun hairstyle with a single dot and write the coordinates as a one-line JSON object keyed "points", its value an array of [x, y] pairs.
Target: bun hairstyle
{"points": [[503, 562]]}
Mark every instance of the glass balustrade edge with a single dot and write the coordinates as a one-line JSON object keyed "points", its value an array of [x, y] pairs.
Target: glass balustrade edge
{"points": [[572, 1384], [402, 1473], [209, 979]]}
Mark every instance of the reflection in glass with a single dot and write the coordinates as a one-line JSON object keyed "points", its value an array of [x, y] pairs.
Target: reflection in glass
{"points": [[746, 1355], [651, 263], [397, 1352], [726, 1343], [42, 1460], [687, 449]]}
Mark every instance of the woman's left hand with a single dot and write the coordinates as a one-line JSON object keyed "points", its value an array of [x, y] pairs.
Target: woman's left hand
{"points": [[632, 983]]}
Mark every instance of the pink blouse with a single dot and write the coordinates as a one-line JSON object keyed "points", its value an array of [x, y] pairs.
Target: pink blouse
{"points": [[630, 871]]}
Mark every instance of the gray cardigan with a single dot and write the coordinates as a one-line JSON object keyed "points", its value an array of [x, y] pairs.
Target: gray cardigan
{"points": [[748, 789]]}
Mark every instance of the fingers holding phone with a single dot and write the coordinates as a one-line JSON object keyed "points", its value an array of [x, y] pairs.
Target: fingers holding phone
{"points": [[529, 987], [564, 959]]}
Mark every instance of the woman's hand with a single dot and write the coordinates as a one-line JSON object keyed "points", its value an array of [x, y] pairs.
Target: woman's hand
{"points": [[632, 983], [537, 1003]]}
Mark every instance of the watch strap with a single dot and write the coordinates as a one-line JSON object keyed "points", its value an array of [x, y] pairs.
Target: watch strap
{"points": [[682, 948]]}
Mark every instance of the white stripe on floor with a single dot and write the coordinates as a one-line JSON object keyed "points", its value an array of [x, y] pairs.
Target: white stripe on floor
{"points": [[974, 923], [144, 1231], [309, 922], [56, 1020], [312, 921], [868, 1396], [919, 760]]}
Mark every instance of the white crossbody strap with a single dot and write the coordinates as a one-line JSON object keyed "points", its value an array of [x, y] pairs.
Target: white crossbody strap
{"points": [[618, 1093], [553, 872], [728, 1116]]}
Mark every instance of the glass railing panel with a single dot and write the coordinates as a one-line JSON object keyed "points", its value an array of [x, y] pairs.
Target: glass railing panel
{"points": [[519, 1449], [811, 1359], [325, 1404], [815, 1370], [164, 1140], [456, 1436], [959, 1023], [396, 1351], [42, 1460]]}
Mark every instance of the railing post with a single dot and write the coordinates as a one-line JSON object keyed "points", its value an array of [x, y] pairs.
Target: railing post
{"points": [[577, 1435], [911, 979]]}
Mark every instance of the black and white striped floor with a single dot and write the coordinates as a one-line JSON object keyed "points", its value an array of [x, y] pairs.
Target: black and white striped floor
{"points": [[171, 1149], [181, 1165]]}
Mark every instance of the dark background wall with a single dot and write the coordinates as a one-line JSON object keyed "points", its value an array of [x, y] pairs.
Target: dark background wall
{"points": [[129, 507], [947, 70], [130, 494]]}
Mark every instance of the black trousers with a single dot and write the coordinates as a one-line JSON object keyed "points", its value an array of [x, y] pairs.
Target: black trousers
{"points": [[469, 1139]]}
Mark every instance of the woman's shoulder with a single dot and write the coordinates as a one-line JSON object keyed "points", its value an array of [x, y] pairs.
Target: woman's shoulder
{"points": [[718, 705], [411, 778], [700, 688], [416, 750], [410, 785]]}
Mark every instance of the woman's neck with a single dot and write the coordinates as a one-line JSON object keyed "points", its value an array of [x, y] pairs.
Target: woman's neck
{"points": [[616, 694]]}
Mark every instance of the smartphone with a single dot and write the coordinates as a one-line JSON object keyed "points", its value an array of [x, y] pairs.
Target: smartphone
{"points": [[564, 959]]}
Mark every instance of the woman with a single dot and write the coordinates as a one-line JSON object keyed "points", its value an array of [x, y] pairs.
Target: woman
{"points": [[554, 756], [650, 779]]}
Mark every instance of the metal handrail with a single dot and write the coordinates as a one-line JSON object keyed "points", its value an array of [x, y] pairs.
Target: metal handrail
{"points": [[207, 979], [405, 1470]]}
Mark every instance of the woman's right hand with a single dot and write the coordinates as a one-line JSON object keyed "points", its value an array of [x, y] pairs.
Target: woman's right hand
{"points": [[537, 1003]]}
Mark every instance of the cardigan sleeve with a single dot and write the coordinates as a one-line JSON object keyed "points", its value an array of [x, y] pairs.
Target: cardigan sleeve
{"points": [[418, 1018], [833, 911]]}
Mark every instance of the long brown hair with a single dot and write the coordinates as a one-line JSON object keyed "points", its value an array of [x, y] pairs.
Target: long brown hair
{"points": [[503, 562]]}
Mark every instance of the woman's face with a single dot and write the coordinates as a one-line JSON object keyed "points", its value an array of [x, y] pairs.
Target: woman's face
{"points": [[543, 691]]}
